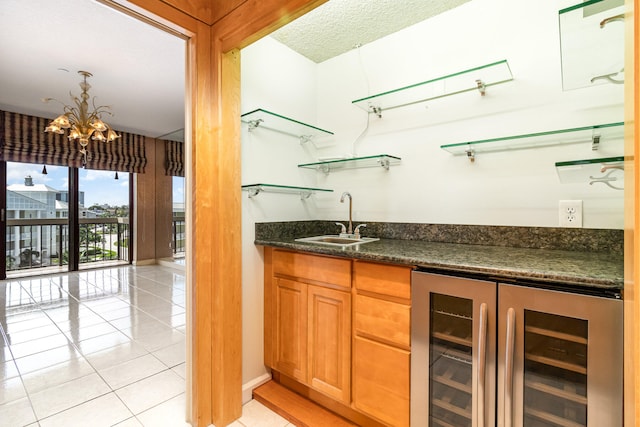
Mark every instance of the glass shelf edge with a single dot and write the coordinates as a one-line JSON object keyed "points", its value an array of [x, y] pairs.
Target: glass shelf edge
{"points": [[352, 159], [245, 119], [606, 170], [569, 163], [380, 96], [589, 56], [459, 147], [579, 6], [284, 188]]}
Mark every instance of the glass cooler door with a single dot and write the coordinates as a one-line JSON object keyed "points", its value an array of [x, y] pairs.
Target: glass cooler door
{"points": [[450, 361], [555, 370], [559, 359], [453, 340]]}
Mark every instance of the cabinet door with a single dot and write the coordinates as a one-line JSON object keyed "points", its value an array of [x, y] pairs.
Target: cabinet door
{"points": [[560, 359], [330, 342], [381, 381], [290, 328], [453, 323]]}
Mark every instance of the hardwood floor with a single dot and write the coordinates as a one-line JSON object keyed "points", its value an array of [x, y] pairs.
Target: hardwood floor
{"points": [[295, 408]]}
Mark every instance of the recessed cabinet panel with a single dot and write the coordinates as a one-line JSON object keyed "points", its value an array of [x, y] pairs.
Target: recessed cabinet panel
{"points": [[380, 381], [390, 280], [329, 342], [291, 328], [382, 320]]}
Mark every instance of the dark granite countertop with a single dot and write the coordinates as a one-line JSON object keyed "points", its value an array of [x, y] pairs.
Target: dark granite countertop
{"points": [[586, 269]]}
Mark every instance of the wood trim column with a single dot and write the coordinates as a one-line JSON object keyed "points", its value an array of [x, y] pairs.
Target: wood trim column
{"points": [[225, 224], [632, 218], [202, 207], [213, 99]]}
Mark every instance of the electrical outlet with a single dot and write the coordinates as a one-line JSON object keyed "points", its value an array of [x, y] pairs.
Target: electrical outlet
{"points": [[570, 212]]}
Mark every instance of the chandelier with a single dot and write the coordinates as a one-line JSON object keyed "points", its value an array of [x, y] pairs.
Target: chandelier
{"points": [[82, 124]]}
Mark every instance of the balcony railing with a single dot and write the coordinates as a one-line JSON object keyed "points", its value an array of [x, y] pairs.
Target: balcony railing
{"points": [[177, 241], [36, 243], [40, 242]]}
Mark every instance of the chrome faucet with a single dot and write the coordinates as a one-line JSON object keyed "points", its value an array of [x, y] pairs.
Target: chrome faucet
{"points": [[347, 194]]}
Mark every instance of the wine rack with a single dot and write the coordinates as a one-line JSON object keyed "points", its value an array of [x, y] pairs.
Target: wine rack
{"points": [[555, 379], [450, 382], [486, 354]]}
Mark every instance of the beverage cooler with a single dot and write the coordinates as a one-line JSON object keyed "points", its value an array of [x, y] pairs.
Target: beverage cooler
{"points": [[486, 354]]}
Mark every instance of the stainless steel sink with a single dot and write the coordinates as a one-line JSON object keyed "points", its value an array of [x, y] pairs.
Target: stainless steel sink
{"points": [[336, 240]]}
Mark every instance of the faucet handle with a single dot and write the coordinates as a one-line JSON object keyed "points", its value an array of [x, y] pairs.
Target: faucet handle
{"points": [[343, 229], [357, 230]]}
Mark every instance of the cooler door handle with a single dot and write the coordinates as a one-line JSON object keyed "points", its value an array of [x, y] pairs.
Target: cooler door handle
{"points": [[508, 367], [482, 363]]}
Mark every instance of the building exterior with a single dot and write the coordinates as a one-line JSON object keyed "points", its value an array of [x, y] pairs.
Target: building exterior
{"points": [[33, 245]]}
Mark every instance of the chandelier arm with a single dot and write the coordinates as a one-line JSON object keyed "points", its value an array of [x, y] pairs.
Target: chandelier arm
{"points": [[72, 114], [47, 100], [100, 109], [84, 124]]}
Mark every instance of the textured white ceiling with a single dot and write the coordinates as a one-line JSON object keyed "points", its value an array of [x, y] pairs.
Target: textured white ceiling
{"points": [[340, 25]]}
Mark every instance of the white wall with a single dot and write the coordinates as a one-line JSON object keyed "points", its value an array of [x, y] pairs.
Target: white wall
{"points": [[274, 78], [515, 187], [518, 187]]}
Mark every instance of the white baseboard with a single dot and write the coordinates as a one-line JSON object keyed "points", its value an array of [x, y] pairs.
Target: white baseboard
{"points": [[247, 389]]}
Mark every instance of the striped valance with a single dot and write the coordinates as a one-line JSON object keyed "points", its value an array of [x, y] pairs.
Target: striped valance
{"points": [[22, 139], [174, 158]]}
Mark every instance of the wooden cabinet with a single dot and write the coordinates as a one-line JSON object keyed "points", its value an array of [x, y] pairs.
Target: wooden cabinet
{"points": [[382, 343], [308, 320], [350, 343]]}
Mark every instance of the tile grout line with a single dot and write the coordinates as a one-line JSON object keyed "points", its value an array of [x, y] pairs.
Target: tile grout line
{"points": [[38, 307]]}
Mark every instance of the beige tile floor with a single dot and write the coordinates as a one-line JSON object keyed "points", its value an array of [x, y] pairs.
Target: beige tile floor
{"points": [[101, 347]]}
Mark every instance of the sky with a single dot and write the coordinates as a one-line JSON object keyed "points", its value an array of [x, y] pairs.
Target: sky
{"points": [[99, 187]]}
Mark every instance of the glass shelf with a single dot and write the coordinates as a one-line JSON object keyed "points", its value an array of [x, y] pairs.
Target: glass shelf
{"points": [[379, 160], [304, 192], [596, 134], [592, 43], [266, 119], [606, 170], [478, 78]]}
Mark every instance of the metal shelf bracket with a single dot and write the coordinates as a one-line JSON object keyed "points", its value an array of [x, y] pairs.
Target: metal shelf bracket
{"points": [[254, 124], [471, 154], [376, 110], [384, 162], [306, 138], [482, 87], [252, 192]]}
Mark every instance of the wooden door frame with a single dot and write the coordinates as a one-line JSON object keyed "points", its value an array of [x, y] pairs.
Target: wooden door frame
{"points": [[216, 29]]}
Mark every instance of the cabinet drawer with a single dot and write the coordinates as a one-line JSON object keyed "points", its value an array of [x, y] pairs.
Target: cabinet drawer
{"points": [[391, 280], [381, 381], [313, 268], [384, 320]]}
